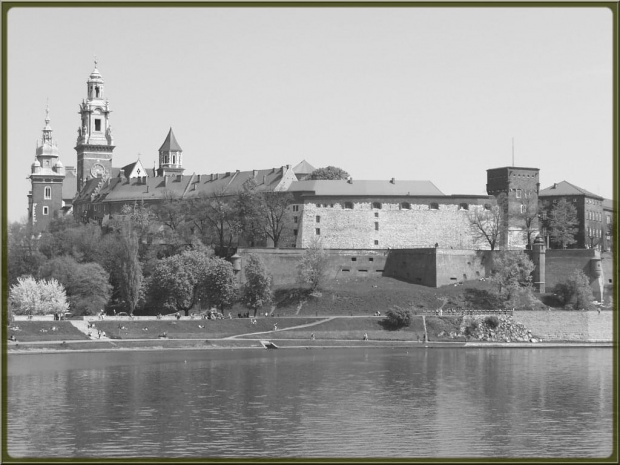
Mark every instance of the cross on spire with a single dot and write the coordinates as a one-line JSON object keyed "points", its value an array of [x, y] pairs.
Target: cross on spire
{"points": [[95, 61]]}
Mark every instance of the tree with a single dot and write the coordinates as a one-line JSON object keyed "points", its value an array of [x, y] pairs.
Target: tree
{"points": [[258, 281], [86, 285], [219, 285], [528, 213], [562, 221], [215, 216], [397, 317], [512, 272], [312, 267], [23, 255], [263, 213], [575, 293], [32, 297], [329, 173], [488, 223], [176, 281]]}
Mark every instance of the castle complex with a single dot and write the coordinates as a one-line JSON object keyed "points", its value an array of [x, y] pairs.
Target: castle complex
{"points": [[342, 214]]}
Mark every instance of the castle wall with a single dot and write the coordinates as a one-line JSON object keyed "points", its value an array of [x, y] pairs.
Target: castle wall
{"points": [[391, 226], [568, 325]]}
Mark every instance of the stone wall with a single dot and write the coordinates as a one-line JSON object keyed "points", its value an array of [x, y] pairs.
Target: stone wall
{"points": [[561, 263], [391, 226], [567, 325]]}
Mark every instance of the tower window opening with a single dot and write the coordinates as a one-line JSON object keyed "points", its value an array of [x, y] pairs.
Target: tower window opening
{"points": [[97, 124], [48, 192], [97, 91], [46, 210]]}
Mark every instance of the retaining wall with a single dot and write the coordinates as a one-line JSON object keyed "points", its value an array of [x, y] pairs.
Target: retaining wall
{"points": [[568, 325]]}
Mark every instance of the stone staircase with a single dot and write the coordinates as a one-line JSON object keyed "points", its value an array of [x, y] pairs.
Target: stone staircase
{"points": [[82, 325]]}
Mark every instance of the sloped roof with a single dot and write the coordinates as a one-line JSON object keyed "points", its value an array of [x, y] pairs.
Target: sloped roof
{"points": [[608, 204], [184, 186], [365, 188], [303, 168], [170, 144], [565, 188]]}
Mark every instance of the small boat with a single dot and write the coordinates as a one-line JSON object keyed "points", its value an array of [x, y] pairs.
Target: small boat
{"points": [[269, 345]]}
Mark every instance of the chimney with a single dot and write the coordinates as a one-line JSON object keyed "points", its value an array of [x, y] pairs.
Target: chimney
{"points": [[555, 185], [147, 188], [198, 179], [350, 180], [254, 173], [393, 181], [165, 181], [264, 179]]}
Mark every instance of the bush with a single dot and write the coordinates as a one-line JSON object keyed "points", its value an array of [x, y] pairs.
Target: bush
{"points": [[575, 293], [397, 317], [491, 321], [471, 328]]}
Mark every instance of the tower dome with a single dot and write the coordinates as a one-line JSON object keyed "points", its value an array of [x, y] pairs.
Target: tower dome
{"points": [[35, 164]]}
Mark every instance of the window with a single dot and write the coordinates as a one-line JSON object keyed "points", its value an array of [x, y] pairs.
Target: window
{"points": [[522, 208], [405, 206], [48, 192], [318, 219], [376, 205], [318, 231], [371, 259], [463, 206], [97, 124], [46, 210], [295, 219], [376, 242], [294, 232], [295, 208], [518, 193], [348, 205], [376, 226], [434, 206], [97, 91]]}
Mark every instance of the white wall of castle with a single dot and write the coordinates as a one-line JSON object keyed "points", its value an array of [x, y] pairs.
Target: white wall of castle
{"points": [[420, 226]]}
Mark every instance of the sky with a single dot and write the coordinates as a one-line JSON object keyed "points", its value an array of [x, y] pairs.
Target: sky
{"points": [[439, 94]]}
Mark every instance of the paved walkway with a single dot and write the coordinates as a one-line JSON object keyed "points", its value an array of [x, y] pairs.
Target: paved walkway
{"points": [[283, 329]]}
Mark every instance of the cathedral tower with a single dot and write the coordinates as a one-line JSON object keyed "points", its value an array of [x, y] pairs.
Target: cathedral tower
{"points": [[170, 157], [46, 178], [94, 144]]}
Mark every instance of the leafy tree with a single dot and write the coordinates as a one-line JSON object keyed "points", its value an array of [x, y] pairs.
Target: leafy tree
{"points": [[23, 255], [86, 285], [258, 281], [32, 297], [219, 285], [575, 293], [312, 267], [562, 221], [329, 173], [66, 237], [177, 281], [397, 317], [489, 223], [512, 272]]}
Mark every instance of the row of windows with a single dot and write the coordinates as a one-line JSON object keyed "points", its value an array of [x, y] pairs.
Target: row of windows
{"points": [[402, 206], [594, 202], [594, 216], [594, 232]]}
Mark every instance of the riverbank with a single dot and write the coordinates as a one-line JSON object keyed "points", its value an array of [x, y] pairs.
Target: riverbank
{"points": [[286, 344]]}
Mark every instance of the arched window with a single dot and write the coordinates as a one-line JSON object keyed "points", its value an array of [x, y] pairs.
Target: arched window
{"points": [[48, 192], [348, 205], [405, 206], [376, 205]]}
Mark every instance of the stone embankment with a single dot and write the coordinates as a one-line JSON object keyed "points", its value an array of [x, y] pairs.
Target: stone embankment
{"points": [[491, 329]]}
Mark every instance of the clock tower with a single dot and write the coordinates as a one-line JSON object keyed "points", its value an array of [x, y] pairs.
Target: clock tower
{"points": [[94, 144]]}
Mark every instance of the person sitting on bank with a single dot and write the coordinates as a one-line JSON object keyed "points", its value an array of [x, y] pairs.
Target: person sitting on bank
{"points": [[365, 336], [13, 338]]}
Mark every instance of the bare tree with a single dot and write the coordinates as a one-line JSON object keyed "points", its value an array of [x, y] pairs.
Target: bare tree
{"points": [[488, 223], [529, 215]]}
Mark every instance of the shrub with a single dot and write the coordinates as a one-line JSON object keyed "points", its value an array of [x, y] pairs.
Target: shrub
{"points": [[492, 322], [471, 328], [397, 317], [312, 267], [575, 293]]}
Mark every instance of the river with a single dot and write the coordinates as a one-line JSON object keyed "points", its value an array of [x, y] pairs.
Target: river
{"points": [[436, 402]]}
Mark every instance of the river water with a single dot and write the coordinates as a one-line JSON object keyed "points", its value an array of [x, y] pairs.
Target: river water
{"points": [[439, 402]]}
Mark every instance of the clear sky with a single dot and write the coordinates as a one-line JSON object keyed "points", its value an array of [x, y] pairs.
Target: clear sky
{"points": [[413, 93]]}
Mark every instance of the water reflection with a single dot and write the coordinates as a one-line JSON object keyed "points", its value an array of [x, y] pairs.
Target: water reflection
{"points": [[319, 403]]}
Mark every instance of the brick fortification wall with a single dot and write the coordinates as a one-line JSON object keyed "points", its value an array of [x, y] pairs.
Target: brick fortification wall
{"points": [[391, 226], [560, 264], [282, 263], [567, 325]]}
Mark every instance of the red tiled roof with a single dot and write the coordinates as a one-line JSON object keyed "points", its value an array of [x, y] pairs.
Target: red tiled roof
{"points": [[366, 188], [566, 188]]}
